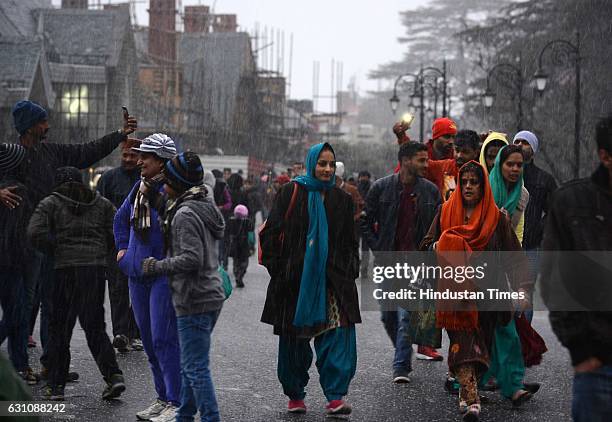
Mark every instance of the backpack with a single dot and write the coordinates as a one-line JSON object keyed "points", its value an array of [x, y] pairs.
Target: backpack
{"points": [[281, 236]]}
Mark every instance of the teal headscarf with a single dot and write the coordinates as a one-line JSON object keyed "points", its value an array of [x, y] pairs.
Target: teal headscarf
{"points": [[312, 299], [503, 198]]}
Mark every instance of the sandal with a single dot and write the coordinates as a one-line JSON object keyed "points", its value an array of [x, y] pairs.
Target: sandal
{"points": [[472, 413], [522, 397]]}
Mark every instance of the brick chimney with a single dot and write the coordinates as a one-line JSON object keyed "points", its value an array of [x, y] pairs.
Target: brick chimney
{"points": [[74, 4], [225, 23], [162, 30], [197, 18]]}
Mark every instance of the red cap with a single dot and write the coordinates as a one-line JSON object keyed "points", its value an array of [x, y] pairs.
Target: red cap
{"points": [[443, 126], [282, 179]]}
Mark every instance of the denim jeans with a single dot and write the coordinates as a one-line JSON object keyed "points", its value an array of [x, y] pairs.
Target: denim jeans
{"points": [[197, 389], [14, 321], [396, 324], [591, 396], [533, 262]]}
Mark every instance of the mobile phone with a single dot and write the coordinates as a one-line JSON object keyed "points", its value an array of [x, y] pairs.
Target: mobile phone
{"points": [[126, 113]]}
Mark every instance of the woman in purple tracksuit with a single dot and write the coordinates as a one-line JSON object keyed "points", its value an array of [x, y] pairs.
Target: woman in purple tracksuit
{"points": [[138, 235]]}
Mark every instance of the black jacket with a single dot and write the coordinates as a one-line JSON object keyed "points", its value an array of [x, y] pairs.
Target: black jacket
{"points": [[37, 172], [382, 205], [75, 225], [239, 229], [580, 219], [116, 184], [285, 262], [14, 247], [540, 186]]}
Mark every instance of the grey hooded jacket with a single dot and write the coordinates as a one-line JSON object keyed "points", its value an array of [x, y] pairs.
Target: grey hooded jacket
{"points": [[193, 261]]}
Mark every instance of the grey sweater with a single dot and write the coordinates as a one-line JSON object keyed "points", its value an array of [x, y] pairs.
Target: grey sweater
{"points": [[192, 263]]}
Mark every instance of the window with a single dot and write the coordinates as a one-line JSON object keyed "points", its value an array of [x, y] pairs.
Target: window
{"points": [[81, 109]]}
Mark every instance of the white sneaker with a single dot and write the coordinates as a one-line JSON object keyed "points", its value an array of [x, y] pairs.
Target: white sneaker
{"points": [[156, 408], [167, 415]]}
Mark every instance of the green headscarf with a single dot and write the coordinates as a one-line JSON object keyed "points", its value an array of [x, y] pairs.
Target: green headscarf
{"points": [[503, 198]]}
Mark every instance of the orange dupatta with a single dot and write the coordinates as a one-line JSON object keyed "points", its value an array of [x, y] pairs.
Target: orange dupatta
{"points": [[459, 237]]}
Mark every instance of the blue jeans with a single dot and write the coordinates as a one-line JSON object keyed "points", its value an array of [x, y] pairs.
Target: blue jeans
{"points": [[396, 324], [592, 393], [533, 262], [14, 321], [197, 389]]}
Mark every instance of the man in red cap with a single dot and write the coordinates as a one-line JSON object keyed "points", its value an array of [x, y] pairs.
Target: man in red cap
{"points": [[440, 146]]}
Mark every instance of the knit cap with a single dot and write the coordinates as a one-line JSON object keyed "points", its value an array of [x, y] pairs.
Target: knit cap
{"points": [[27, 114], [159, 144], [184, 171], [241, 211], [443, 126], [529, 137]]}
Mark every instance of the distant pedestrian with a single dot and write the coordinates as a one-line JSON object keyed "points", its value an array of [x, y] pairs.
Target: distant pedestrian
{"points": [[223, 199], [490, 148], [115, 185], [363, 186], [138, 235], [75, 224], [193, 225], [313, 262], [240, 227]]}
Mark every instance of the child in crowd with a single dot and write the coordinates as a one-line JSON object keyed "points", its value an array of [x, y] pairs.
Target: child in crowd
{"points": [[241, 243]]}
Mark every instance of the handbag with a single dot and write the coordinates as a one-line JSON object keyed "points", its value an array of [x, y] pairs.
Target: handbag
{"points": [[532, 344], [281, 236], [226, 282]]}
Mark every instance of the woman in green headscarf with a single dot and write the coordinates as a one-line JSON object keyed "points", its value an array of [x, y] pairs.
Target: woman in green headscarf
{"points": [[506, 178], [311, 252], [506, 365]]}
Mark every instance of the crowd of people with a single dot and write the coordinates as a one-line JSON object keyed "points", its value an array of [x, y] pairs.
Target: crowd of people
{"points": [[160, 230]]}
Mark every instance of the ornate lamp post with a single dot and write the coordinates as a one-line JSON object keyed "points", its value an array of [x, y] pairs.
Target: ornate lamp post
{"points": [[564, 52], [511, 77]]}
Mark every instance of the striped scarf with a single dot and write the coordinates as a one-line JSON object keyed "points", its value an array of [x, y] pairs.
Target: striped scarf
{"points": [[141, 215]]}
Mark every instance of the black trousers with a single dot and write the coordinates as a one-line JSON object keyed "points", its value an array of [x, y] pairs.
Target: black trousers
{"points": [[122, 315], [240, 267], [79, 293]]}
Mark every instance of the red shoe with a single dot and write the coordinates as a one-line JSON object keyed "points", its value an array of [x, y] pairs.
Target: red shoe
{"points": [[296, 406], [338, 409], [31, 342], [428, 353]]}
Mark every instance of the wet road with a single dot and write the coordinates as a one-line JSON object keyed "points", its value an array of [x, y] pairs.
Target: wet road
{"points": [[244, 371]]}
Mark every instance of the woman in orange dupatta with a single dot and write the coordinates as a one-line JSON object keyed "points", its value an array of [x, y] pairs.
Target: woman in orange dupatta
{"points": [[467, 224]]}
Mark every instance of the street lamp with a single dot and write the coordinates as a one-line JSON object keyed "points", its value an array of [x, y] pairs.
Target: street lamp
{"points": [[514, 83], [394, 102], [488, 98], [415, 99], [541, 79], [565, 51]]}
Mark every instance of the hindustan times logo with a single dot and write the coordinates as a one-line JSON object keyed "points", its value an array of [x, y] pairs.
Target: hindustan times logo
{"points": [[413, 273]]}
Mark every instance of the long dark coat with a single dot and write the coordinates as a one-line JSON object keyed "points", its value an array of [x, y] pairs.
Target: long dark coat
{"points": [[285, 262]]}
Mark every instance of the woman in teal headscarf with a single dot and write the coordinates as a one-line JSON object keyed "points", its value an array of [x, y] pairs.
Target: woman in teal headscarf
{"points": [[509, 191], [506, 368], [310, 250]]}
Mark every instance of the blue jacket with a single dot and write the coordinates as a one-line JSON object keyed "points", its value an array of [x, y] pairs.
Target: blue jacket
{"points": [[137, 247], [382, 205]]}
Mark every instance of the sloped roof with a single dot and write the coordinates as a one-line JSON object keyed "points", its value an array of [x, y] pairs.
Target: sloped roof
{"points": [[18, 60], [86, 37], [17, 19], [214, 64]]}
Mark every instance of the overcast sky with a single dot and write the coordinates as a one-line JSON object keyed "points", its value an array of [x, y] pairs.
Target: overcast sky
{"points": [[359, 33]]}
